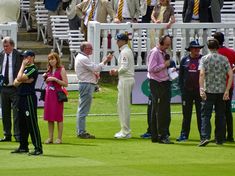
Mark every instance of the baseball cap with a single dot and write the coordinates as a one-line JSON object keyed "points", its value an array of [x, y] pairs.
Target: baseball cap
{"points": [[122, 36], [27, 53]]}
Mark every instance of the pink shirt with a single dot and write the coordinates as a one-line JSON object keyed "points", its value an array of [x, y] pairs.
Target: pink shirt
{"points": [[156, 65]]}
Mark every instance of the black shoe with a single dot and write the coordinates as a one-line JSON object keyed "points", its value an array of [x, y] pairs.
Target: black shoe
{"points": [[230, 140], [5, 139], [166, 141], [86, 136], [203, 143], [36, 152], [219, 143], [20, 150]]}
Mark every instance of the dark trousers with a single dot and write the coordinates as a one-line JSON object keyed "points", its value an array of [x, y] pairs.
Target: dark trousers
{"points": [[188, 97], [75, 23], [29, 122], [149, 111], [147, 17], [229, 115], [217, 101], [9, 100], [160, 116]]}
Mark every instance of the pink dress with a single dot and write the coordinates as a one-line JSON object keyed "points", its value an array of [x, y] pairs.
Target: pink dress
{"points": [[53, 109]]}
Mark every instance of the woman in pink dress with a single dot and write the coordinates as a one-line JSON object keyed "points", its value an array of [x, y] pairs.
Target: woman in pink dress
{"points": [[56, 78]]}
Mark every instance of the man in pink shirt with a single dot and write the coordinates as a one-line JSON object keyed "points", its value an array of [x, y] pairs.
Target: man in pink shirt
{"points": [[160, 87]]}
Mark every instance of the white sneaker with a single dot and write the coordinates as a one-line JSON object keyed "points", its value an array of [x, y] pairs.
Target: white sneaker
{"points": [[120, 135]]}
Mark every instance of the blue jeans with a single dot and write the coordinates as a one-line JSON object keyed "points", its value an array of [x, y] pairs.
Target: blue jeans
{"points": [[85, 98], [217, 101]]}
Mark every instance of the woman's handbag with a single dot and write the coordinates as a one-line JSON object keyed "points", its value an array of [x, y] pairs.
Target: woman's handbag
{"points": [[62, 96], [42, 91]]}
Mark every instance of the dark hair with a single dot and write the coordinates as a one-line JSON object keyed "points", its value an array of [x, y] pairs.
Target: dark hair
{"points": [[163, 38], [213, 44], [220, 37]]}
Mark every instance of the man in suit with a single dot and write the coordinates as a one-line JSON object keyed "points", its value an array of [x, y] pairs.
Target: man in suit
{"points": [[94, 10], [130, 10], [215, 10], [196, 11], [10, 62]]}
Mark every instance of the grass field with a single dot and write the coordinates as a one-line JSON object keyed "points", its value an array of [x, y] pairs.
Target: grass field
{"points": [[108, 156]]}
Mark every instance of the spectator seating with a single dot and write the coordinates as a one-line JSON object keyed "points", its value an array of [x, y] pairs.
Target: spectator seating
{"points": [[60, 28], [75, 38], [41, 17], [24, 11]]}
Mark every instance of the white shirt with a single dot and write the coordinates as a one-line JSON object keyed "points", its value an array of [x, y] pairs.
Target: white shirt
{"points": [[10, 69], [125, 10], [126, 62], [88, 12], [85, 68]]}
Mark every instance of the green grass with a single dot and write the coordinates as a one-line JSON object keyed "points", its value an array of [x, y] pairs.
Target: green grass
{"points": [[108, 156]]}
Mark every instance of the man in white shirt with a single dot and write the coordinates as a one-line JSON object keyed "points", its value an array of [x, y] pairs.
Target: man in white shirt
{"points": [[86, 73], [126, 82]]}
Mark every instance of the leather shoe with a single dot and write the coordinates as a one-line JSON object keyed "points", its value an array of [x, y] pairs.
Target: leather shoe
{"points": [[166, 141], [20, 150], [5, 139]]}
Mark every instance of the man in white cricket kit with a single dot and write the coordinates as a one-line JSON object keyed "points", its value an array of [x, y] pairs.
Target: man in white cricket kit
{"points": [[126, 82]]}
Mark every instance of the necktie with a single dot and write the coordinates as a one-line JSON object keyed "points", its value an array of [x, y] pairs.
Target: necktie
{"points": [[6, 74], [120, 7], [148, 2], [196, 7], [92, 11]]}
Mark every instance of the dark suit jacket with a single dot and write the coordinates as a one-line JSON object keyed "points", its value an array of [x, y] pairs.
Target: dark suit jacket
{"points": [[203, 10], [16, 62]]}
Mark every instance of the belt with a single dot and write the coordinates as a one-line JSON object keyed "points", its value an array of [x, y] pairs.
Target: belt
{"points": [[127, 18]]}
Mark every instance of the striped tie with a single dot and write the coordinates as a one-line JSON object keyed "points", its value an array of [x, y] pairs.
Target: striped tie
{"points": [[120, 7], [196, 7], [148, 2], [92, 11]]}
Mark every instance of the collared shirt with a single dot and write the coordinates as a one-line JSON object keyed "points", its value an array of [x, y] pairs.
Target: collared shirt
{"points": [[196, 17], [153, 2], [85, 68], [230, 54], [189, 73], [29, 88], [156, 65], [89, 10], [125, 10], [10, 70], [126, 62], [216, 68]]}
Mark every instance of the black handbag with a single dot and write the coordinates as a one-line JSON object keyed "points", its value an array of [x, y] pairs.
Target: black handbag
{"points": [[62, 97], [42, 91]]}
